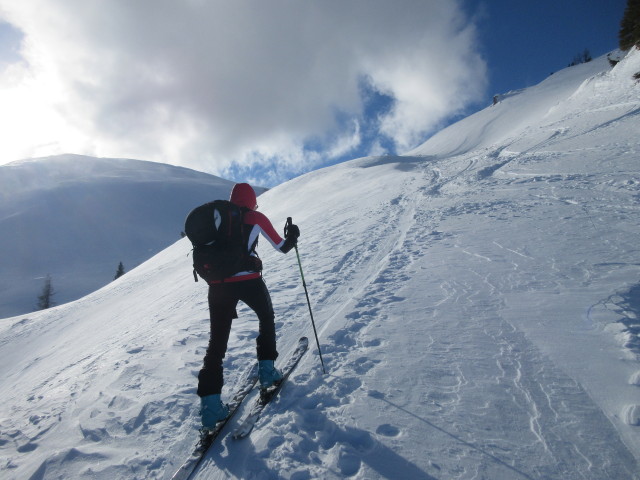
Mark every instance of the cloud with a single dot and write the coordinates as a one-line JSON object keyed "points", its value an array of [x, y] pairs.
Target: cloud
{"points": [[216, 84]]}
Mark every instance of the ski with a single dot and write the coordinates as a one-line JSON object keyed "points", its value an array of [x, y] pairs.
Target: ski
{"points": [[268, 394], [208, 437]]}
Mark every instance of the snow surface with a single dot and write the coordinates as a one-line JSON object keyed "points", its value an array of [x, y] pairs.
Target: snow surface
{"points": [[77, 217], [477, 303]]}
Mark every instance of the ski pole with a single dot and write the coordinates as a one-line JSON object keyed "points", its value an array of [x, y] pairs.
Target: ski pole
{"points": [[304, 284]]}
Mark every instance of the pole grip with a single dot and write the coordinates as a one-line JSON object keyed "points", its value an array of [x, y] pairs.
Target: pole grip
{"points": [[286, 227]]}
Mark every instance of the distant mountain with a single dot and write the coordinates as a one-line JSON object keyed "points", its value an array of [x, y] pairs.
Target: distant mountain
{"points": [[76, 217]]}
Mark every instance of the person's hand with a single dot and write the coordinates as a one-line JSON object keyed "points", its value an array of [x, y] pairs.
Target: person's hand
{"points": [[293, 232]]}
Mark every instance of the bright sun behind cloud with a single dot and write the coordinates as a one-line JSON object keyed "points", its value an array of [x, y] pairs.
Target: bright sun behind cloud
{"points": [[221, 86], [30, 122]]}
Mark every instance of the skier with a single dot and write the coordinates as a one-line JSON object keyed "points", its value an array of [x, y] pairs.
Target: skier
{"points": [[248, 287]]}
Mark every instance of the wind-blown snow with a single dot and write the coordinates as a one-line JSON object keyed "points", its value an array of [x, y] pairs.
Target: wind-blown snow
{"points": [[477, 305]]}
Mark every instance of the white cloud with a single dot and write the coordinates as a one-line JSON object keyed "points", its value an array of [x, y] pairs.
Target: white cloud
{"points": [[211, 84]]}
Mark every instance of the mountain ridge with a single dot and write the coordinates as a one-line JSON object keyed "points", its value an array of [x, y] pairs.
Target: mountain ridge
{"points": [[114, 210]]}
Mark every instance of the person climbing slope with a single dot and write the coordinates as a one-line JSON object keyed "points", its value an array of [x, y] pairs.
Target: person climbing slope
{"points": [[245, 285]]}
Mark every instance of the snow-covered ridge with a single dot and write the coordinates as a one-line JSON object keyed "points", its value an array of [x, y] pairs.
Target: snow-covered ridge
{"points": [[49, 172], [512, 116], [477, 312], [77, 217]]}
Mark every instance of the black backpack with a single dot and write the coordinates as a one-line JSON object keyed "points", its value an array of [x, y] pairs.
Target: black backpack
{"points": [[216, 231]]}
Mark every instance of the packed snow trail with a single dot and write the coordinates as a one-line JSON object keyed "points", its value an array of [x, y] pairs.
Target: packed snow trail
{"points": [[419, 341], [452, 306]]}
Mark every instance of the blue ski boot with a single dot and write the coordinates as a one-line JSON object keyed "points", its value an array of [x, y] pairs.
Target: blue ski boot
{"points": [[269, 375], [212, 410]]}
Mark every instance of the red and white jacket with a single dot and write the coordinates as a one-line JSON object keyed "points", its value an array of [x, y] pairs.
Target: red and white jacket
{"points": [[256, 224]]}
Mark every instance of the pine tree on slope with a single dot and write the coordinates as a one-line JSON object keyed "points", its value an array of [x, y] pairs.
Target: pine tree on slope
{"points": [[45, 299], [120, 271], [629, 34]]}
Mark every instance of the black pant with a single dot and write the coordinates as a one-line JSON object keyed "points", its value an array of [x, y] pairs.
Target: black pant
{"points": [[223, 299]]}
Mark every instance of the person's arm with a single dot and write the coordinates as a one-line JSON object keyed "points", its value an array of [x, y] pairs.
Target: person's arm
{"points": [[265, 227]]}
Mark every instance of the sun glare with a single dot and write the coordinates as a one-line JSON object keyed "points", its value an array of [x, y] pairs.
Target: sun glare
{"points": [[30, 123]]}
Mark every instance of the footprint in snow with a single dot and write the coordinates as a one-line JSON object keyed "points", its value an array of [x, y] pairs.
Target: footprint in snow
{"points": [[387, 430], [631, 415]]}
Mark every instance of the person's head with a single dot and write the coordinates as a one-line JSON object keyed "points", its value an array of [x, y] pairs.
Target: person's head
{"points": [[243, 195]]}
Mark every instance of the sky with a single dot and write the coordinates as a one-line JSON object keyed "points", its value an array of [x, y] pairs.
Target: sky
{"points": [[264, 91]]}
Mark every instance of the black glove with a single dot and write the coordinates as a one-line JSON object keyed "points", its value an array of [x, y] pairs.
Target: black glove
{"points": [[291, 234]]}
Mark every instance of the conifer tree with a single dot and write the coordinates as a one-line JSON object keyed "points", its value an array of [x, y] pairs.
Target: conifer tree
{"points": [[629, 34], [45, 299], [120, 271]]}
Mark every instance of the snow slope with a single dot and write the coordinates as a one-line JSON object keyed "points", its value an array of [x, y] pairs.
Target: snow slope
{"points": [[76, 218], [477, 305]]}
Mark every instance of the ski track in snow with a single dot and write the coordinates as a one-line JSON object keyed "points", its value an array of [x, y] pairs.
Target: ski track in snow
{"points": [[526, 389], [463, 388], [477, 313]]}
